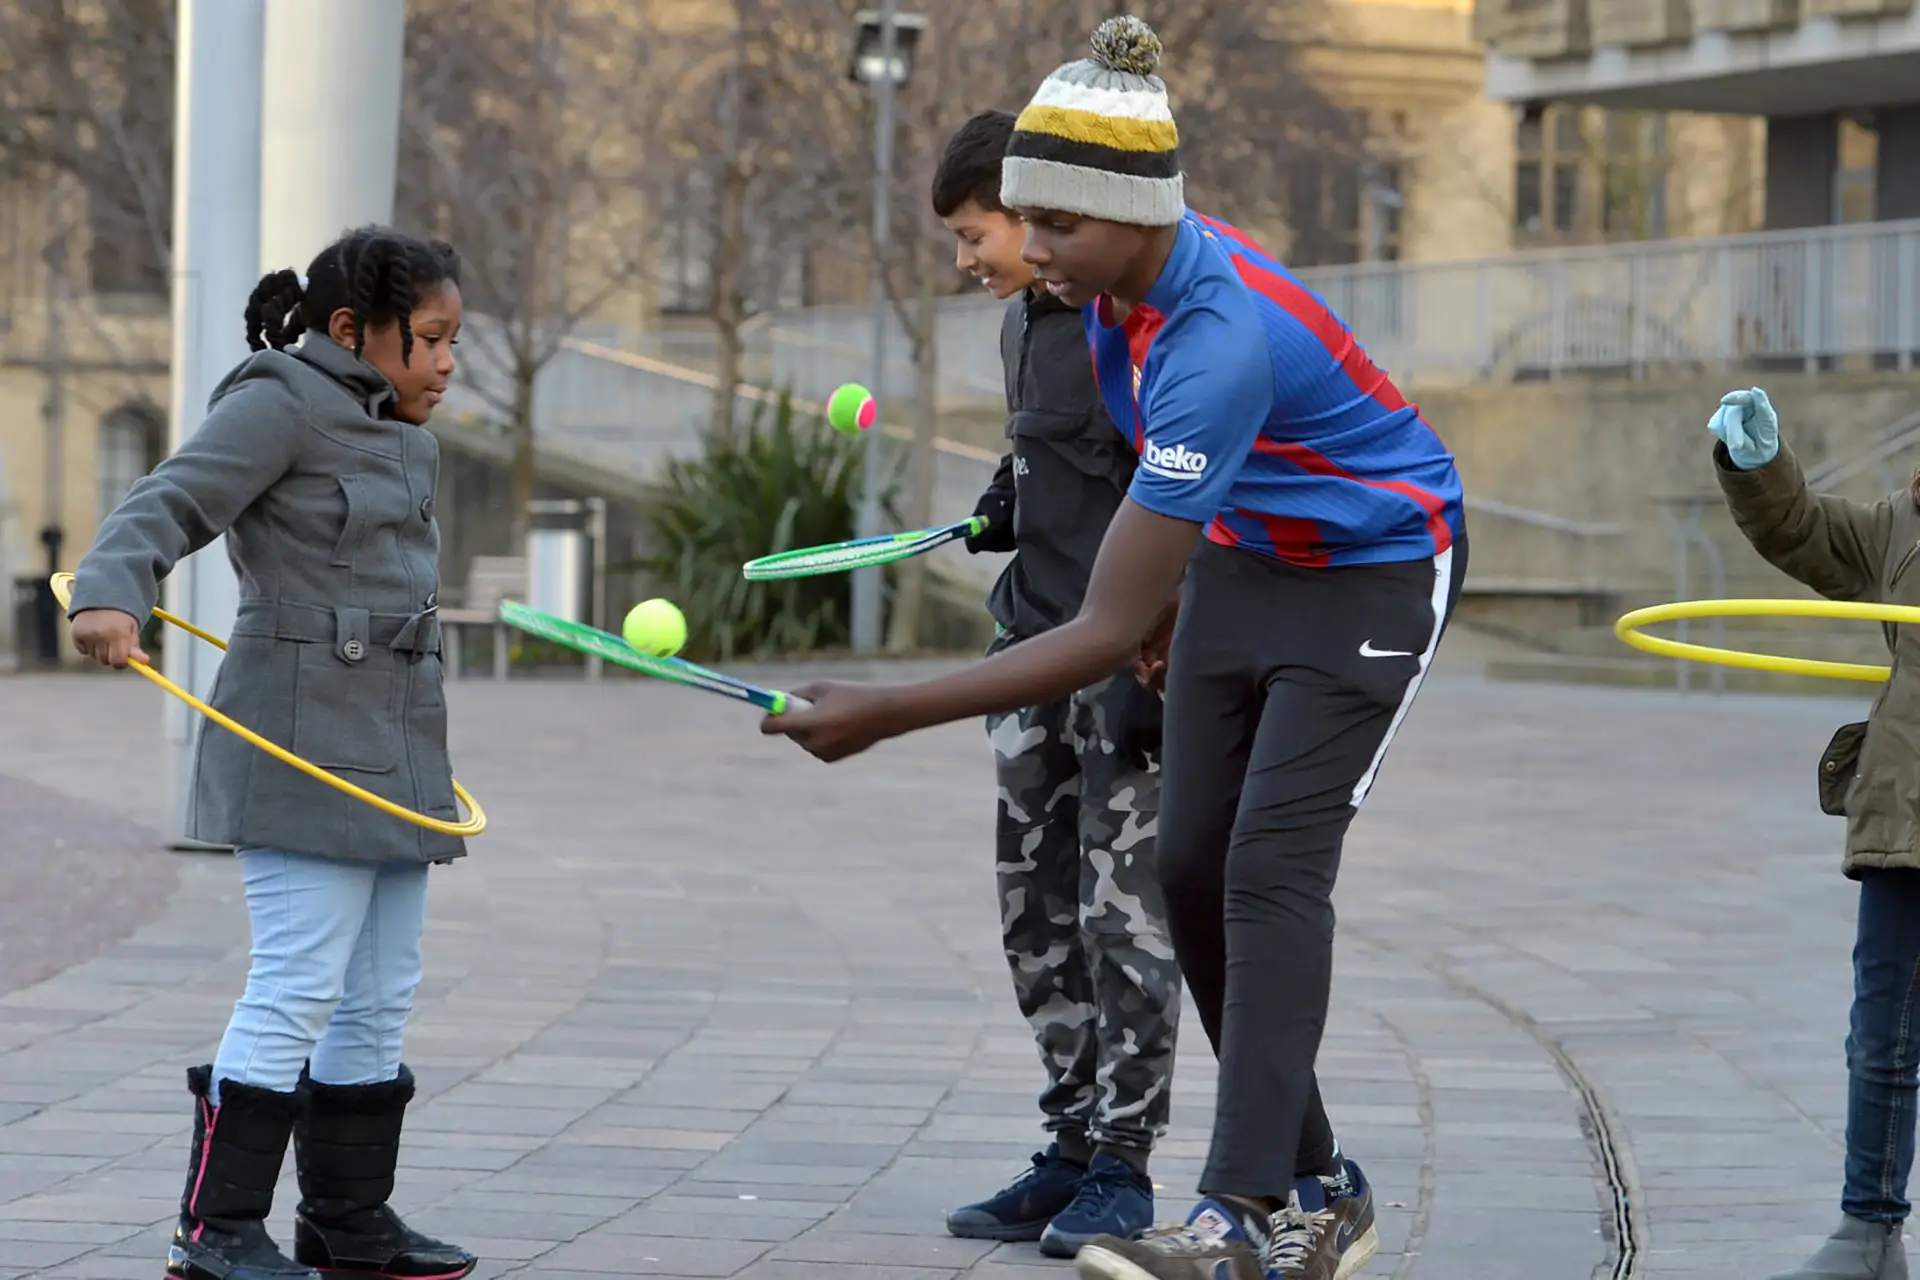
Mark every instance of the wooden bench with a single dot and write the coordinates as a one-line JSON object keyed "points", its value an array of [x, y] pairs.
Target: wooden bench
{"points": [[490, 580]]}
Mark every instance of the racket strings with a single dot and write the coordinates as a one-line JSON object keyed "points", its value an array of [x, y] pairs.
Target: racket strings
{"points": [[806, 563], [596, 643]]}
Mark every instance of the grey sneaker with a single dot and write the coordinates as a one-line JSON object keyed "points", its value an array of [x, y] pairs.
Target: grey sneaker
{"points": [[1859, 1250]]}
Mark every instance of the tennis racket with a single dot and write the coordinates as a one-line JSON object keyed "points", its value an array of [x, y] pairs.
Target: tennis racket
{"points": [[611, 648], [860, 553]]}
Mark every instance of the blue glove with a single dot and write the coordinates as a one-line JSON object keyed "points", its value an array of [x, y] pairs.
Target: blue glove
{"points": [[1746, 424]]}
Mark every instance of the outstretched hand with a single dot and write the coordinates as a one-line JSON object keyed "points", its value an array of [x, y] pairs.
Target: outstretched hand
{"points": [[844, 720]]}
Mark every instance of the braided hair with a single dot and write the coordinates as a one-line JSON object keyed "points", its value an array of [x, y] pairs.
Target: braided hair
{"points": [[378, 274]]}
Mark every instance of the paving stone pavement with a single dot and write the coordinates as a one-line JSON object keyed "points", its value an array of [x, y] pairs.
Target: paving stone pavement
{"points": [[698, 1006]]}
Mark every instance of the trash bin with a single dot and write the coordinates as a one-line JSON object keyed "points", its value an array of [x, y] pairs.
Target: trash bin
{"points": [[559, 572], [36, 622]]}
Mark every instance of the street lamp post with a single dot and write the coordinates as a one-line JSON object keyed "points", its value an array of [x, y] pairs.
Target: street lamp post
{"points": [[883, 59]]}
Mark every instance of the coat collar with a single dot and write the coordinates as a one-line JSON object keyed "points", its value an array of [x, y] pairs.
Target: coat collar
{"points": [[1040, 303], [359, 379]]}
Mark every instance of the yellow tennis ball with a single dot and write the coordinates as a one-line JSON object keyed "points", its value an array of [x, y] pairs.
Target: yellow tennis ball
{"points": [[655, 627]]}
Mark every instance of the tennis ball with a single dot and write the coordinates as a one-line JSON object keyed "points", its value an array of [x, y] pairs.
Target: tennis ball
{"points": [[852, 409], [656, 628]]}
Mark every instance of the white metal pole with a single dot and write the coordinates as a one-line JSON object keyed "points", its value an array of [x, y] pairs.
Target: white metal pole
{"points": [[867, 582], [330, 123], [216, 232]]}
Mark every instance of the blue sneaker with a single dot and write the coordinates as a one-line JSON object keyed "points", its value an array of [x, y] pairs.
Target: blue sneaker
{"points": [[1022, 1210], [1114, 1200]]}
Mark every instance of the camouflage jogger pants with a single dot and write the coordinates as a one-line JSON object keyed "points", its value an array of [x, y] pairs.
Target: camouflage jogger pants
{"points": [[1082, 917]]}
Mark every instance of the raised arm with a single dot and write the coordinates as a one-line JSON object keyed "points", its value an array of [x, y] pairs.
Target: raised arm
{"points": [[1833, 545]]}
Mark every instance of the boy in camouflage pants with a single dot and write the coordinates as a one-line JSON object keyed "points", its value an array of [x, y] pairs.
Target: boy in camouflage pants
{"points": [[1081, 909]]}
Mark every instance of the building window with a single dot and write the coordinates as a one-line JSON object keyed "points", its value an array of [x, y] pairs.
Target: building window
{"points": [[1382, 203], [687, 247], [1529, 213], [1633, 175], [1582, 175], [1342, 212], [1566, 195], [1550, 150], [1853, 179], [132, 443]]}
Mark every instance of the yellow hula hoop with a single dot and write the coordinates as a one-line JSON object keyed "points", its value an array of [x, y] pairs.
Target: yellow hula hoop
{"points": [[473, 826], [1628, 630]]}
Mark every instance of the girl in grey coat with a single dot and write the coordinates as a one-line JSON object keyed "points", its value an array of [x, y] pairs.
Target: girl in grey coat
{"points": [[312, 461]]}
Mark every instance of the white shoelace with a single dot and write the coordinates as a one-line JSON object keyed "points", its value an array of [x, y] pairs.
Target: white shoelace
{"points": [[1295, 1233]]}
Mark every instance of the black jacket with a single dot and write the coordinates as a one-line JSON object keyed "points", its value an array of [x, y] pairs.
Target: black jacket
{"points": [[1067, 470]]}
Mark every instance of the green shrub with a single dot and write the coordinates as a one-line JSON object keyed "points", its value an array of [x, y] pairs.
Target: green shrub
{"points": [[785, 481]]}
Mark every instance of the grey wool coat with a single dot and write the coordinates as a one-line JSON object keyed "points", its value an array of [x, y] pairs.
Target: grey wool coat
{"points": [[328, 507]]}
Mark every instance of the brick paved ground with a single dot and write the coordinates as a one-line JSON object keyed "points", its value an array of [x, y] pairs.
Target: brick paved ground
{"points": [[700, 1007]]}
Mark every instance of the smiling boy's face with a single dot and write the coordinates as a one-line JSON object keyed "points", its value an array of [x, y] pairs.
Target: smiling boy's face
{"points": [[987, 246]]}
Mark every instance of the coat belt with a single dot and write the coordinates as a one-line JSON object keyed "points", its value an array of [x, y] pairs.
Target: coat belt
{"points": [[351, 632]]}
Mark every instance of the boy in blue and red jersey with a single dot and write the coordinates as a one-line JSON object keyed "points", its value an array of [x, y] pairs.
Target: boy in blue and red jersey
{"points": [[1342, 470], [1313, 526]]}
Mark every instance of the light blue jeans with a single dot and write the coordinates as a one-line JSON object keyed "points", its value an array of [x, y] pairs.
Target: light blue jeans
{"points": [[336, 962]]}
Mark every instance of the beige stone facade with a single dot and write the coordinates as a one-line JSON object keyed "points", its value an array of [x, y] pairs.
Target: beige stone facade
{"points": [[106, 370], [1480, 178]]}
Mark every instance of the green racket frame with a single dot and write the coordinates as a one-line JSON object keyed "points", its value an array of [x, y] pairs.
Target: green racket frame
{"points": [[860, 553], [611, 648]]}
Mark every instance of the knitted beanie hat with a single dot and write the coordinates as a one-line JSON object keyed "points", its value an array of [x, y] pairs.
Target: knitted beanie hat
{"points": [[1098, 139]]}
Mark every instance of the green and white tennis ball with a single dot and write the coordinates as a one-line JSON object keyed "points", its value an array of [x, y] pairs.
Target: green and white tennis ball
{"points": [[852, 409], [656, 628]]}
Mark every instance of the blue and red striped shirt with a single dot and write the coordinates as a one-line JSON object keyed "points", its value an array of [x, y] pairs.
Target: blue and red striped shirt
{"points": [[1255, 412]]}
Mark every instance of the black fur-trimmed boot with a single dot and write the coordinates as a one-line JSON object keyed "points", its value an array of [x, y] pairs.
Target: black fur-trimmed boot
{"points": [[238, 1148], [346, 1145]]}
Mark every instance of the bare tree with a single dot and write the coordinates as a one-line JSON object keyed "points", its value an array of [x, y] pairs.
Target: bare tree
{"points": [[1263, 140], [86, 91], [522, 137], [752, 180], [975, 55], [86, 107]]}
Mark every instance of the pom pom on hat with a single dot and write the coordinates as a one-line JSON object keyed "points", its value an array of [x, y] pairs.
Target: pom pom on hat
{"points": [[1126, 44], [1098, 138]]}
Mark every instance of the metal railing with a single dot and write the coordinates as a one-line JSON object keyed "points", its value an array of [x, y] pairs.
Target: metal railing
{"points": [[1809, 299], [1875, 460], [1586, 537]]}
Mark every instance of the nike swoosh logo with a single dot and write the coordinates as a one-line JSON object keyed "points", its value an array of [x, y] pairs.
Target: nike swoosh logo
{"points": [[1368, 651]]}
